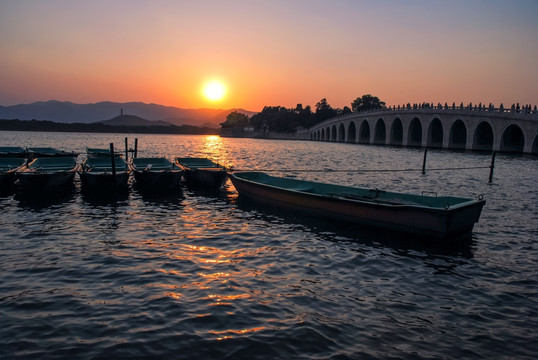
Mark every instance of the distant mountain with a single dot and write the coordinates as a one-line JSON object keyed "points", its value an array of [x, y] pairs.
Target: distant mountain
{"points": [[68, 112], [133, 120]]}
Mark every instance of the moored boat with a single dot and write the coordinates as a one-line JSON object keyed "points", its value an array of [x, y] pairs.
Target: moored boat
{"points": [[202, 172], [8, 168], [12, 152], [428, 216], [42, 174], [100, 152], [104, 174], [42, 152], [156, 174]]}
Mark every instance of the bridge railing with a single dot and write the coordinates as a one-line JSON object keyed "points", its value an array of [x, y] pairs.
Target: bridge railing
{"points": [[515, 108], [516, 111], [526, 109]]}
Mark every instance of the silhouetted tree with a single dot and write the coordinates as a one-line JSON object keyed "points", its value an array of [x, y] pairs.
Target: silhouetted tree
{"points": [[346, 110], [367, 102], [235, 119], [324, 111]]}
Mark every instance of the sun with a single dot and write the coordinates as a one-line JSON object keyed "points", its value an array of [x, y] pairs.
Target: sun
{"points": [[214, 90]]}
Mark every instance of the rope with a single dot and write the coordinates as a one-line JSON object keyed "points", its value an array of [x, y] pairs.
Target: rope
{"points": [[358, 170]]}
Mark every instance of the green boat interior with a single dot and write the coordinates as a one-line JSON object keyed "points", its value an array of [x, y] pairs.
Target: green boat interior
{"points": [[352, 193], [194, 163], [153, 164], [103, 164], [7, 164], [53, 164]]}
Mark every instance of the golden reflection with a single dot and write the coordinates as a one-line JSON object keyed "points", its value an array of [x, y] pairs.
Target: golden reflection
{"points": [[219, 300], [228, 333], [216, 275], [214, 148], [173, 295]]}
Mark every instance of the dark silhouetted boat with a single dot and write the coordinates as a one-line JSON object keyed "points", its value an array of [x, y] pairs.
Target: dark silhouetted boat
{"points": [[156, 174], [12, 152], [98, 152], [42, 152], [202, 172], [49, 173], [101, 174]]}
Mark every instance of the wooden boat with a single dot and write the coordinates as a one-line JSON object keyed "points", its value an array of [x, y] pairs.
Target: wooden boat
{"points": [[8, 168], [156, 174], [12, 152], [98, 152], [203, 172], [42, 152], [42, 174], [98, 174], [429, 216]]}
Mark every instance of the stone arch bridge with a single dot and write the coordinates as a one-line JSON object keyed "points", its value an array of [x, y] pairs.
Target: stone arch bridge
{"points": [[482, 129]]}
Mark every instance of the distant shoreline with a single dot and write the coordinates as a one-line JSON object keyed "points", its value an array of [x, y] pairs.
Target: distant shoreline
{"points": [[45, 125]]}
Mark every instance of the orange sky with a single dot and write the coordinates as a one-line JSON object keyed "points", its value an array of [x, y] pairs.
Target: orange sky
{"points": [[269, 52]]}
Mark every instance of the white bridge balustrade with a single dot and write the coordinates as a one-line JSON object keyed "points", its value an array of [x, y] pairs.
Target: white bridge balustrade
{"points": [[464, 128]]}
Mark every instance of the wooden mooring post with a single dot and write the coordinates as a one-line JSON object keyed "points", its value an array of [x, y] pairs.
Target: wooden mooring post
{"points": [[126, 150], [113, 161], [491, 167], [424, 161]]}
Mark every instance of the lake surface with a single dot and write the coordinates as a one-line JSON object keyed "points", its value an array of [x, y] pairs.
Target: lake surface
{"points": [[209, 275]]}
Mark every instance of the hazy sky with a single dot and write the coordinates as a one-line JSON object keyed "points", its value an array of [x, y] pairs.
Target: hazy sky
{"points": [[269, 52]]}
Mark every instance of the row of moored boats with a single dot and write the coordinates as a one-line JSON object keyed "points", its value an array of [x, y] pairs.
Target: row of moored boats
{"points": [[46, 169], [423, 215]]}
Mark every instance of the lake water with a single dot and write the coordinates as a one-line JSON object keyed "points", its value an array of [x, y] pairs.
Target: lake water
{"points": [[208, 275]]}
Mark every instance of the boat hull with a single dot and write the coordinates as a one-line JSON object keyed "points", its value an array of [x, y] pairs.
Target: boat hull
{"points": [[205, 177], [100, 181], [203, 172], [418, 220], [44, 174], [157, 181], [8, 168], [39, 182], [6, 180]]}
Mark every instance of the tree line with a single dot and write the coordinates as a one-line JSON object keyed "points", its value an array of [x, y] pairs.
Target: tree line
{"points": [[281, 119], [46, 125]]}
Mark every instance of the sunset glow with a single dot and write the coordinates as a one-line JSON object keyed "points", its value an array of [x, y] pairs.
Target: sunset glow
{"points": [[270, 53], [214, 90]]}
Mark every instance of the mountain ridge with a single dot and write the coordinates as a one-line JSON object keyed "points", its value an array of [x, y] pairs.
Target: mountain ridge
{"points": [[69, 112]]}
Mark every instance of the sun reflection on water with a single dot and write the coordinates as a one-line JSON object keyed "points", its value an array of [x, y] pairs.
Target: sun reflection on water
{"points": [[216, 275], [228, 334]]}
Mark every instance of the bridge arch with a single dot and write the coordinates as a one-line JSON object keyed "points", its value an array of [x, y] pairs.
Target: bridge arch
{"points": [[364, 132], [351, 132], [482, 129], [380, 132], [483, 137], [341, 133], [415, 133], [534, 148], [513, 139], [458, 135], [435, 134], [333, 133], [396, 132]]}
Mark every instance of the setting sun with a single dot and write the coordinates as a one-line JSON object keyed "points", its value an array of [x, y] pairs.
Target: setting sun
{"points": [[214, 90]]}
